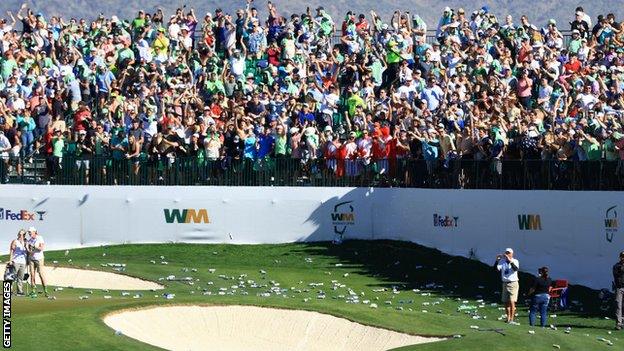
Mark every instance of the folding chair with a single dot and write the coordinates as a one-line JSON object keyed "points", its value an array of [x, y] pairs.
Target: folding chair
{"points": [[559, 289]]}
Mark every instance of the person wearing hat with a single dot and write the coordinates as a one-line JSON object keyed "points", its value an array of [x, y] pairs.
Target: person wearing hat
{"points": [[17, 258], [618, 285], [35, 247], [161, 46], [508, 267], [579, 24]]}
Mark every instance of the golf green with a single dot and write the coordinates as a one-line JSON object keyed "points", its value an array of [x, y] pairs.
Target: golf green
{"points": [[417, 290]]}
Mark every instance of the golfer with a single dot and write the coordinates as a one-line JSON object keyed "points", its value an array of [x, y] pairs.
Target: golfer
{"points": [[17, 258], [36, 246], [508, 267]]}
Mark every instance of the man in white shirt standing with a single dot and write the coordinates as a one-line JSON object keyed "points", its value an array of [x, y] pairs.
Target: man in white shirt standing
{"points": [[36, 246], [509, 266]]}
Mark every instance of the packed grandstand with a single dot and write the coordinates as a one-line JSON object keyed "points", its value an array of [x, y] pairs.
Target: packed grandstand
{"points": [[471, 101]]}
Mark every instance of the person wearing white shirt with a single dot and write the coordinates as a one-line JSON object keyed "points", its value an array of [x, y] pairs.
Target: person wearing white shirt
{"points": [[508, 267], [17, 258], [36, 245]]}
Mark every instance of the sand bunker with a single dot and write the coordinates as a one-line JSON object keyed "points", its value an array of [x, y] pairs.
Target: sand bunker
{"points": [[244, 328], [82, 278]]}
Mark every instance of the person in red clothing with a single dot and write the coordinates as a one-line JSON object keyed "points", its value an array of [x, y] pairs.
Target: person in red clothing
{"points": [[381, 149], [47, 140], [341, 156], [82, 118], [573, 66], [399, 150], [362, 24], [273, 53]]}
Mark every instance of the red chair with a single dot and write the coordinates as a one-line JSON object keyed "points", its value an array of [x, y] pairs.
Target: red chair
{"points": [[555, 293]]}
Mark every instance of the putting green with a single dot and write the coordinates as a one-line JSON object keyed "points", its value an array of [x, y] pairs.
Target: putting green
{"points": [[416, 290]]}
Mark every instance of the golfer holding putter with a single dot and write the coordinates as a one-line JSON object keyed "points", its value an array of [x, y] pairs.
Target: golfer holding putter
{"points": [[17, 258], [36, 246]]}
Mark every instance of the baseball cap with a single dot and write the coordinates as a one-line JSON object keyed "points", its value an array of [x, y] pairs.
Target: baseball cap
{"points": [[509, 249], [32, 229]]}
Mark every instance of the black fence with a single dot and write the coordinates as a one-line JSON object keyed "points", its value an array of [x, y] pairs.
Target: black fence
{"points": [[437, 174]]}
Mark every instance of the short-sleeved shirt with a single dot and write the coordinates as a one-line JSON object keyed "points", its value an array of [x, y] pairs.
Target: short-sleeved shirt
{"points": [[541, 285], [508, 274], [37, 254]]}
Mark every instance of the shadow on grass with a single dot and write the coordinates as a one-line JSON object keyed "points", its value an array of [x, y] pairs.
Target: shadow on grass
{"points": [[407, 266]]}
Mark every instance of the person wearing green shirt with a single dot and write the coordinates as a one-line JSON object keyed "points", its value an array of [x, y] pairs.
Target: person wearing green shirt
{"points": [[138, 22], [214, 84], [353, 102], [393, 59], [126, 55], [7, 65], [58, 146], [281, 141], [591, 147], [575, 43]]}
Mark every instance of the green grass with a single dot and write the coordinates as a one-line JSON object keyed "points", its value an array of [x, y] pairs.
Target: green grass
{"points": [[69, 323]]}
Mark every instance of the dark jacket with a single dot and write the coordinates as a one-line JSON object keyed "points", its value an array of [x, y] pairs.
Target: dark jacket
{"points": [[618, 275]]}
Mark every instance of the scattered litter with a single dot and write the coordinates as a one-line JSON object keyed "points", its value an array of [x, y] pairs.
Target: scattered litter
{"points": [[474, 327], [345, 275], [164, 262], [338, 264], [373, 305], [169, 296], [118, 332], [211, 270], [107, 297], [84, 297], [556, 346], [457, 336], [531, 332]]}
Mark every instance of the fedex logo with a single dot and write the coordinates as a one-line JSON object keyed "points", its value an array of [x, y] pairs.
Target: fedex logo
{"points": [[21, 215]]}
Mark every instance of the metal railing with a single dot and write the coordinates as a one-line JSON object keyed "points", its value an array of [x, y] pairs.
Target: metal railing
{"points": [[437, 174]]}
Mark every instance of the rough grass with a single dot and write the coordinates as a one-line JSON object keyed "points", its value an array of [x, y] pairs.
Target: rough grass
{"points": [[69, 323]]}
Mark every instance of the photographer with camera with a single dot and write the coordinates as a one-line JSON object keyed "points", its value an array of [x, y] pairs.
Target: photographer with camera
{"points": [[17, 258], [509, 266], [35, 247]]}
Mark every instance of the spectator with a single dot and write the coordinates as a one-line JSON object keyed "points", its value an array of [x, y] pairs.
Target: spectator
{"points": [[508, 268], [484, 90], [540, 296]]}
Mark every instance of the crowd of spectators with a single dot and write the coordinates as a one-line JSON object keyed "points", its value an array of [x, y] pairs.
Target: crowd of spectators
{"points": [[354, 92]]}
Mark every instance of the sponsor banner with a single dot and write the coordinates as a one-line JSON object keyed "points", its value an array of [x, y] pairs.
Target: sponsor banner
{"points": [[550, 228]]}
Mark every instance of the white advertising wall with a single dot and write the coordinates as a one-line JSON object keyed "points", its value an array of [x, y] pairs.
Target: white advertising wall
{"points": [[576, 234]]}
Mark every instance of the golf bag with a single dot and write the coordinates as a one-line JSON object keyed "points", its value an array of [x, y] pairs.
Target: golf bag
{"points": [[10, 273]]}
